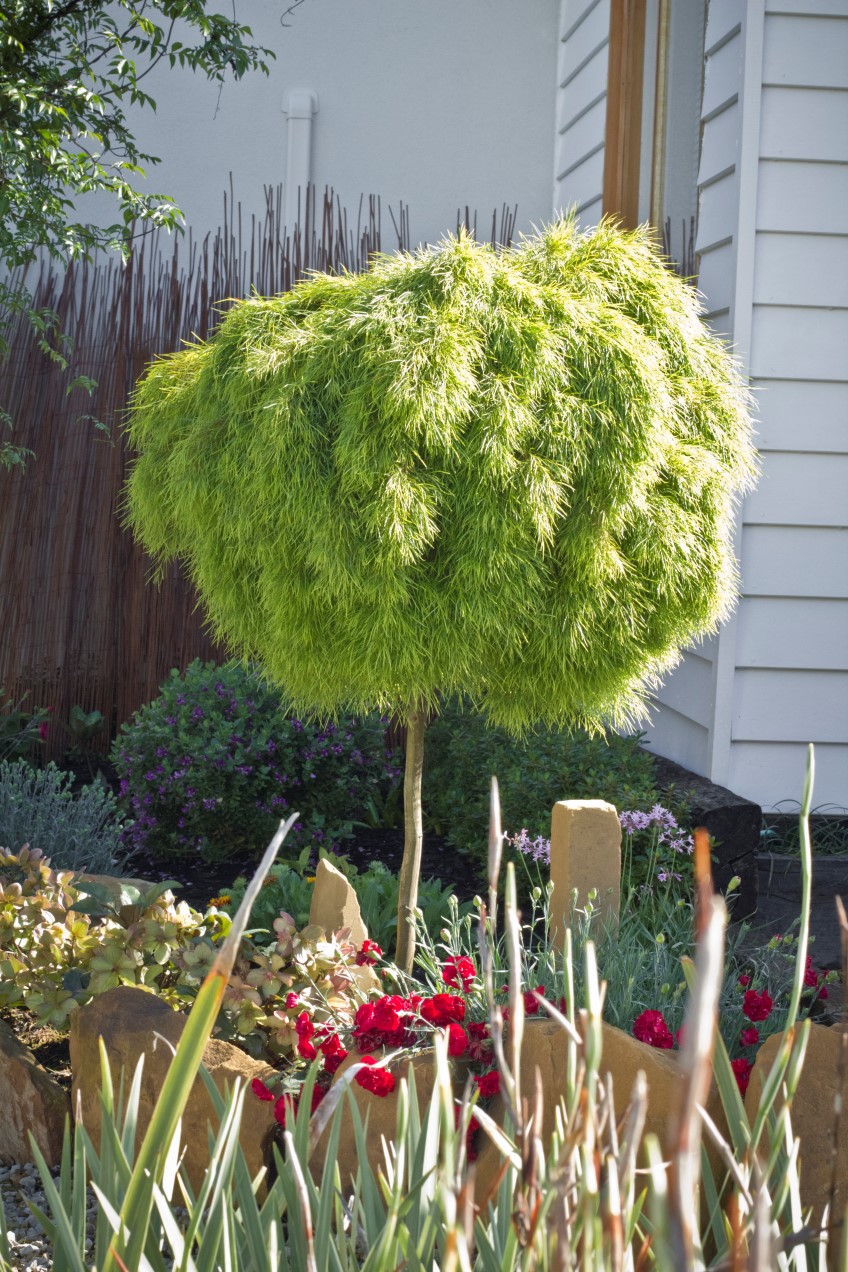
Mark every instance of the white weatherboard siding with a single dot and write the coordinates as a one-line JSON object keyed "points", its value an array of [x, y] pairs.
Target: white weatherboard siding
{"points": [[683, 724], [773, 244], [582, 68], [791, 683]]}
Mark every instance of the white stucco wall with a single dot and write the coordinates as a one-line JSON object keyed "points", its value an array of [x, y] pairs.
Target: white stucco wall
{"points": [[440, 104]]}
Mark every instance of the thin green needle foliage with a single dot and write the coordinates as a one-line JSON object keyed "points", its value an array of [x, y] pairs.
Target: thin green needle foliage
{"points": [[509, 474]]}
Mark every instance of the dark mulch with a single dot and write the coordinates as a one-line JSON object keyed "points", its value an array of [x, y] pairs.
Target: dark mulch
{"points": [[199, 881]]}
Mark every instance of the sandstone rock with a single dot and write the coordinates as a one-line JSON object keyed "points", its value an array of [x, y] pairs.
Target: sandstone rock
{"points": [[585, 854], [812, 1116], [128, 1020], [622, 1056], [380, 1112], [31, 1101], [334, 904]]}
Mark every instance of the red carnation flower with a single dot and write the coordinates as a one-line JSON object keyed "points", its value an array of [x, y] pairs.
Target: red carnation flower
{"points": [[488, 1084], [531, 1002], [369, 952], [260, 1090], [303, 1026], [457, 1040], [292, 1000], [744, 981], [680, 1036], [377, 1080], [749, 1037], [306, 1049], [459, 969], [757, 1006], [387, 1013], [333, 1053], [742, 1072], [443, 1009], [651, 1028], [286, 1106]]}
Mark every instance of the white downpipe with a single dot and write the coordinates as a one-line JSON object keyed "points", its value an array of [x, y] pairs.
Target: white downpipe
{"points": [[300, 108]]}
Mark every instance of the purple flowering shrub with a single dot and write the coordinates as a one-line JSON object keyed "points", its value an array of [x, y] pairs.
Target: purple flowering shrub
{"points": [[210, 766]]}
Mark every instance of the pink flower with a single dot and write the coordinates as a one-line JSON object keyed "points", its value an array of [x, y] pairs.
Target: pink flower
{"points": [[459, 969], [749, 1037], [488, 1084], [742, 1071], [377, 1080], [457, 1040], [651, 1028], [757, 1006]]}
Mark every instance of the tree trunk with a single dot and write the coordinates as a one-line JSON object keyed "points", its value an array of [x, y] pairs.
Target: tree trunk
{"points": [[413, 836]]}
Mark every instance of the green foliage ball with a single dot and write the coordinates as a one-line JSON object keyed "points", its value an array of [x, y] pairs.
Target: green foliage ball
{"points": [[506, 473]]}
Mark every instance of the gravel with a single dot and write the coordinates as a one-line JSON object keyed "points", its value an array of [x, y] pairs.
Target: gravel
{"points": [[30, 1248]]}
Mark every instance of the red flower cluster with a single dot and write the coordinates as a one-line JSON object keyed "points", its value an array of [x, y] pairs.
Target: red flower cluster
{"points": [[385, 1023], [369, 952], [459, 969], [815, 980], [333, 1053], [442, 1009], [457, 1040], [531, 1002], [304, 1029], [488, 1084], [374, 1078], [742, 1071], [286, 1106], [757, 1005], [651, 1028], [479, 1045]]}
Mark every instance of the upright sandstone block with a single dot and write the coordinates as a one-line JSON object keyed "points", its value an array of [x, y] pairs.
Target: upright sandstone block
{"points": [[334, 904], [585, 854]]}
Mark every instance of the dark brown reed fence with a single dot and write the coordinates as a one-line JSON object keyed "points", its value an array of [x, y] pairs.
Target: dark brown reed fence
{"points": [[80, 622]]}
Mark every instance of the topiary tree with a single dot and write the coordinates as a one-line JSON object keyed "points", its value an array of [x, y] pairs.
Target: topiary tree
{"points": [[510, 474]]}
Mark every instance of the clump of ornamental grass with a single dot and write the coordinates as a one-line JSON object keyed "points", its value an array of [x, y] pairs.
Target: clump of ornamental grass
{"points": [[507, 474]]}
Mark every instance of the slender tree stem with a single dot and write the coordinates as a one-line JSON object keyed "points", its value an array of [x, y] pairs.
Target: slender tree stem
{"points": [[412, 838]]}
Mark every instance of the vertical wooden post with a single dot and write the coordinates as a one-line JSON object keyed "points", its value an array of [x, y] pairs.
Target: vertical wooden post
{"points": [[413, 838], [625, 78]]}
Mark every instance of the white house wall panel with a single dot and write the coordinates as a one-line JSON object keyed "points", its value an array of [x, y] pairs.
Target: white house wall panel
{"points": [[807, 198], [776, 771], [795, 55], [805, 122], [799, 343], [794, 706], [801, 269], [802, 415], [582, 67], [800, 489], [789, 561], [792, 633]]}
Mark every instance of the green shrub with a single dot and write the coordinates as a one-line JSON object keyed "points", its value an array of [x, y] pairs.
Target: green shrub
{"points": [[82, 832], [547, 765], [210, 766], [288, 888]]}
